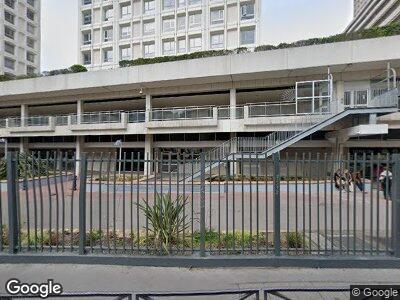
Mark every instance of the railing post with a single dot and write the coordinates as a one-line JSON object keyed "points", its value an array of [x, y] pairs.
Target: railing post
{"points": [[396, 205], [277, 205], [82, 203], [202, 205], [12, 203]]}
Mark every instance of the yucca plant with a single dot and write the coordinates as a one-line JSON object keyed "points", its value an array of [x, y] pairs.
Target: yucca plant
{"points": [[166, 219]]}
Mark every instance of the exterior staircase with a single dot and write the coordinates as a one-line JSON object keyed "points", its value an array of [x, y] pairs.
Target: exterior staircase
{"points": [[277, 141]]}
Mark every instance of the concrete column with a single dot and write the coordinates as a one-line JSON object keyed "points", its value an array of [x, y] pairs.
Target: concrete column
{"points": [[24, 114], [339, 104], [234, 166], [232, 103], [79, 149], [373, 118], [148, 154], [23, 145], [79, 110], [149, 106]]}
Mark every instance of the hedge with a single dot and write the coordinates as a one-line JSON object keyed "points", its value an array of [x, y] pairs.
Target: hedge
{"points": [[376, 32], [72, 69]]}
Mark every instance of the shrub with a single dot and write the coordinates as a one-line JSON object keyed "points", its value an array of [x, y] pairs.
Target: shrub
{"points": [[166, 220], [77, 69], [28, 166], [294, 240]]}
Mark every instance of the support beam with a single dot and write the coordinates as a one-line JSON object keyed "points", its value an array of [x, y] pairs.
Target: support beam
{"points": [[339, 104], [24, 114], [79, 110], [149, 107], [232, 102], [23, 145], [79, 149], [148, 154]]}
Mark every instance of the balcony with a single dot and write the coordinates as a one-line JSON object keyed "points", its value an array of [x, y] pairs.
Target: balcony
{"points": [[30, 124], [267, 116]]}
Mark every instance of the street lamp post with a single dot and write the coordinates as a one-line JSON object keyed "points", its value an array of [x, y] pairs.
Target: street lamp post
{"points": [[5, 142], [118, 143]]}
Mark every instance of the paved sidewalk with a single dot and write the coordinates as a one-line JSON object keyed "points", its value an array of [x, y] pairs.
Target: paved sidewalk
{"points": [[84, 278]]}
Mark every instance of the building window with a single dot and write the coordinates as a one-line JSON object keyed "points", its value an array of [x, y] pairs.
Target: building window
{"points": [[149, 28], [9, 48], [149, 6], [108, 35], [30, 42], [108, 55], [181, 46], [168, 4], [10, 3], [31, 2], [87, 38], [8, 32], [30, 57], [30, 28], [194, 2], [217, 40], [9, 63], [247, 36], [149, 50], [247, 11], [181, 22], [195, 20], [30, 70], [108, 14], [87, 2], [217, 16], [87, 18], [195, 44], [126, 53], [168, 25], [30, 15], [169, 47], [87, 58], [126, 11], [126, 32], [9, 17]]}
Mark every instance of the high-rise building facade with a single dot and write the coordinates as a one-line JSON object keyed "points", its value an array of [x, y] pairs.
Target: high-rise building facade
{"points": [[115, 30], [371, 13], [19, 37]]}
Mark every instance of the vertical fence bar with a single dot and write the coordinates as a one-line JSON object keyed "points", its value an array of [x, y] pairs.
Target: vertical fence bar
{"points": [[82, 204], [396, 205], [277, 205], [202, 206], [12, 204]]}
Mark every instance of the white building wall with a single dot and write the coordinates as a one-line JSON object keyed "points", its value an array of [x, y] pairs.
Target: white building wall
{"points": [[224, 31], [19, 37]]}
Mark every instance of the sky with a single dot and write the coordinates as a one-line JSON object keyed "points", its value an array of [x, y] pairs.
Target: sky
{"points": [[282, 21]]}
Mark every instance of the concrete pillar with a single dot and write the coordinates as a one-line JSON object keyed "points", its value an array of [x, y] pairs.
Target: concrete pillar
{"points": [[79, 110], [232, 103], [234, 166], [24, 114], [148, 154], [339, 104], [23, 145], [79, 149], [149, 106], [373, 118]]}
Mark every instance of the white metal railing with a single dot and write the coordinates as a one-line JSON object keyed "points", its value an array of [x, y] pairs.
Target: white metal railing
{"points": [[61, 120], [224, 112], [103, 117], [29, 121], [181, 113], [137, 116]]}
